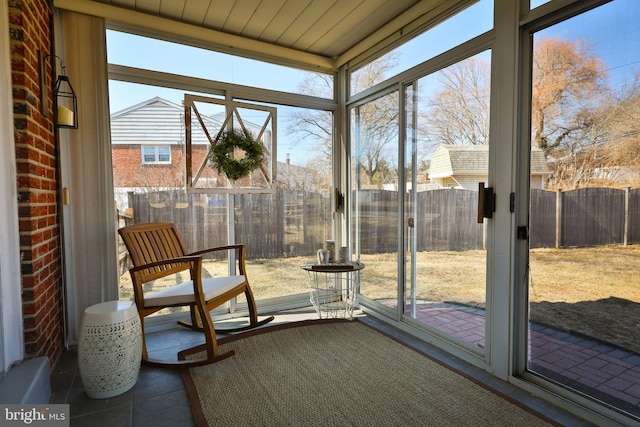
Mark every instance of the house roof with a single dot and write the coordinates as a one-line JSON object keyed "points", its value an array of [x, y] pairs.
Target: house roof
{"points": [[157, 121], [318, 33], [460, 160]]}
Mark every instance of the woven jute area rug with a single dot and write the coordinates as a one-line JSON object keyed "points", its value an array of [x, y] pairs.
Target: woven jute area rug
{"points": [[339, 373]]}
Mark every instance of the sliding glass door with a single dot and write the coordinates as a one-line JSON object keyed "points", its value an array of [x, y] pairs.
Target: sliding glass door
{"points": [[584, 258], [419, 147], [446, 159], [375, 195], [415, 217]]}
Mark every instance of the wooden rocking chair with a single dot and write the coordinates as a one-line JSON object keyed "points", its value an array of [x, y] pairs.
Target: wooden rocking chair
{"points": [[157, 251]]}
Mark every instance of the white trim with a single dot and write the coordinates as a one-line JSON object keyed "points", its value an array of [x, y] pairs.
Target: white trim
{"points": [[217, 88], [500, 229], [11, 324], [195, 35]]}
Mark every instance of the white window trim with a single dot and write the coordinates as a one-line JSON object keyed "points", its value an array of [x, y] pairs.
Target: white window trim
{"points": [[156, 160]]}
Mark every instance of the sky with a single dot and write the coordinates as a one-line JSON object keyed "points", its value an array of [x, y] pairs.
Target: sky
{"points": [[195, 62], [611, 30], [152, 54]]}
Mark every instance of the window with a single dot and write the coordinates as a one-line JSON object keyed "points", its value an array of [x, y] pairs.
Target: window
{"points": [[184, 60], [285, 227], [536, 3], [458, 29], [583, 251], [156, 154]]}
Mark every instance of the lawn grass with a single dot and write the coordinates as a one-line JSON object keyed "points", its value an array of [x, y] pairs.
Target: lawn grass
{"points": [[592, 291]]}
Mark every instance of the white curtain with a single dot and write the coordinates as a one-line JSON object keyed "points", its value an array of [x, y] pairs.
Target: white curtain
{"points": [[89, 219]]}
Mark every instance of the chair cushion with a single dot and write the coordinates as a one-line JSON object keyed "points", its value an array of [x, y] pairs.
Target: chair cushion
{"points": [[182, 293]]}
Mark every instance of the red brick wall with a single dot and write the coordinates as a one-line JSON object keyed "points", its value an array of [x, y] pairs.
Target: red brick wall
{"points": [[128, 170], [30, 24]]}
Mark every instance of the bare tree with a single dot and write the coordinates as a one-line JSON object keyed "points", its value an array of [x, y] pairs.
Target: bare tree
{"points": [[575, 161], [311, 176], [376, 130], [314, 125], [378, 120], [619, 158], [458, 113], [569, 122]]}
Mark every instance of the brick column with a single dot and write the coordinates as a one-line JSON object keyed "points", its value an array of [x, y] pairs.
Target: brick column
{"points": [[30, 24]]}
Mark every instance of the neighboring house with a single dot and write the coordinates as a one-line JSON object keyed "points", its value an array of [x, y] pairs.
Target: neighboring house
{"points": [[617, 174], [464, 166], [293, 177], [147, 145]]}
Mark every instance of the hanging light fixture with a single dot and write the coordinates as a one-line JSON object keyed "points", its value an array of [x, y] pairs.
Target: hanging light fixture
{"points": [[66, 102]]}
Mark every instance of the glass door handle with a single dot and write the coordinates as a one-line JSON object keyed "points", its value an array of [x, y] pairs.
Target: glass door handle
{"points": [[486, 202]]}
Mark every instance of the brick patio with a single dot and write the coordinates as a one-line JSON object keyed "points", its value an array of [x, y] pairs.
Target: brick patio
{"points": [[601, 370]]}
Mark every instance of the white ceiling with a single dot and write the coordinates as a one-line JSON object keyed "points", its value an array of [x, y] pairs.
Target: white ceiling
{"points": [[331, 31]]}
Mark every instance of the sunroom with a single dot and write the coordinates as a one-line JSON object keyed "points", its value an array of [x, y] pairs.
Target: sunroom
{"points": [[533, 280]]}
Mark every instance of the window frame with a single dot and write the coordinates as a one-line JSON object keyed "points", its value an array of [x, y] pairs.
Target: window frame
{"points": [[156, 153]]}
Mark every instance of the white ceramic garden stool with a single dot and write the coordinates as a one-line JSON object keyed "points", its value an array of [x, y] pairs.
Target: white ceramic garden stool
{"points": [[110, 348]]}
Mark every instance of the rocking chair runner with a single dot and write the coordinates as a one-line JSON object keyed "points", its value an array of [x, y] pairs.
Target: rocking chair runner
{"points": [[157, 251]]}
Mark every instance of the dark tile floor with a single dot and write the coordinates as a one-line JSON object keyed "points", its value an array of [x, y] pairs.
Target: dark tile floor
{"points": [[158, 399]]}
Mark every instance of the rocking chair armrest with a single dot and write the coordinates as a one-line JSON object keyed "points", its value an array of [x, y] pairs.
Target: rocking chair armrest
{"points": [[178, 260], [240, 261], [218, 249]]}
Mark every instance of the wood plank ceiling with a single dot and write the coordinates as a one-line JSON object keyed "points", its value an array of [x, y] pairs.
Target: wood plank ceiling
{"points": [[327, 28]]}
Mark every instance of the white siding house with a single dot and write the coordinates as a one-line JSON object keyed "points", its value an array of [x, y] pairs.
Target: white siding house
{"points": [[156, 122], [464, 166]]}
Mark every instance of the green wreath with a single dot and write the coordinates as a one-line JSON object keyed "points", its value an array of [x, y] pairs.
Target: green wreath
{"points": [[222, 154]]}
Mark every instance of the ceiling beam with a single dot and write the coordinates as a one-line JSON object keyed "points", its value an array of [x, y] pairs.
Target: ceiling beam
{"points": [[414, 20], [202, 37]]}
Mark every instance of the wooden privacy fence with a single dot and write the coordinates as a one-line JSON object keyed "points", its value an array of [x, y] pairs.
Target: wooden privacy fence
{"points": [[445, 220], [296, 223], [286, 223], [584, 217]]}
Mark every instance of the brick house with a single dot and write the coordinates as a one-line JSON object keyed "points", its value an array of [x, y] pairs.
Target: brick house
{"points": [[148, 142], [148, 146]]}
